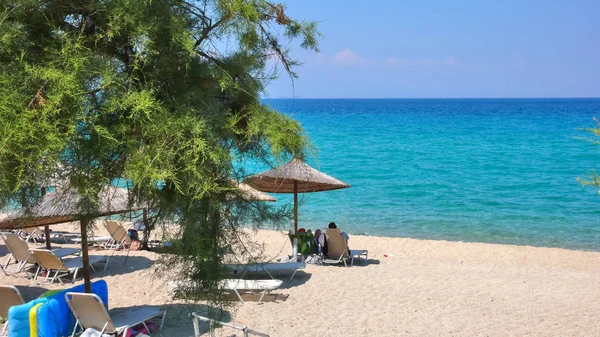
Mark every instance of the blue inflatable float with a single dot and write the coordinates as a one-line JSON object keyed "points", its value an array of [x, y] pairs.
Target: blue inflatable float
{"points": [[53, 318]]}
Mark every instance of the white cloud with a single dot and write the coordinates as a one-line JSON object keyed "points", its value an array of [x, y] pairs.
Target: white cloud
{"points": [[346, 57]]}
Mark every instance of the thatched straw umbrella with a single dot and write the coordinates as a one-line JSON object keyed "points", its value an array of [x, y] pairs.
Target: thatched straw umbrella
{"points": [[253, 194], [65, 205], [294, 177]]}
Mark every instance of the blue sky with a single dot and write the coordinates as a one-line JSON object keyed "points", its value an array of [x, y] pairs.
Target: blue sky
{"points": [[430, 49]]}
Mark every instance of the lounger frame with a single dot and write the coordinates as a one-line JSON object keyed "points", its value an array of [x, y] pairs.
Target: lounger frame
{"points": [[109, 325], [211, 327]]}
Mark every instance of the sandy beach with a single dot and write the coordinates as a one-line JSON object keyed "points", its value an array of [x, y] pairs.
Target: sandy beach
{"points": [[422, 288]]}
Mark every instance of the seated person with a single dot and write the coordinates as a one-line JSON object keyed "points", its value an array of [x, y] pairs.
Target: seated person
{"points": [[332, 225], [320, 242]]}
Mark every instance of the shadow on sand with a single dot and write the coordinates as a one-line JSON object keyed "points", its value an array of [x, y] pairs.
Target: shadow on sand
{"points": [[120, 265], [367, 263], [179, 322], [116, 266], [31, 292], [357, 263], [300, 278]]}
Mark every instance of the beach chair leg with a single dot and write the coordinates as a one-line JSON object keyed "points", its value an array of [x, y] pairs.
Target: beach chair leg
{"points": [[20, 266], [162, 321], [75, 328], [75, 275], [37, 272], [106, 263], [196, 326], [293, 274], [145, 326], [8, 261], [55, 275], [239, 296], [262, 296], [103, 328]]}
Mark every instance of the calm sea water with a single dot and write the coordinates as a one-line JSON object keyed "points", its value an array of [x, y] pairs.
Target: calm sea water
{"points": [[485, 170]]}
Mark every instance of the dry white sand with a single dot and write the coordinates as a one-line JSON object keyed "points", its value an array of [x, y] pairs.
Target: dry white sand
{"points": [[424, 288]]}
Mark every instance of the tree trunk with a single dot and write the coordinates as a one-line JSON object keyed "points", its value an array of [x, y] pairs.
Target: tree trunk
{"points": [[146, 230], [84, 253], [47, 236], [46, 228]]}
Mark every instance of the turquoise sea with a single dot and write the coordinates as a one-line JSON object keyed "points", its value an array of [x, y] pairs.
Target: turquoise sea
{"points": [[484, 170]]}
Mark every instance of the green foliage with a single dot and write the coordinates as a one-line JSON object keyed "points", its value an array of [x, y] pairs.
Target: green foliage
{"points": [[163, 93]]}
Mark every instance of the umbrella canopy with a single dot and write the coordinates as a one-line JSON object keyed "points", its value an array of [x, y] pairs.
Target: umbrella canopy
{"points": [[282, 179], [252, 194], [294, 177], [62, 205]]}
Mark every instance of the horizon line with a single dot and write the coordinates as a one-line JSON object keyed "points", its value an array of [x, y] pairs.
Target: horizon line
{"points": [[576, 97]]}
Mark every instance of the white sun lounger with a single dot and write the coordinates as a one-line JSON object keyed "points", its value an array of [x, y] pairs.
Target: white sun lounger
{"points": [[9, 296], [119, 236], [61, 235], [90, 312], [94, 239], [237, 285], [48, 261], [264, 286], [212, 324], [242, 269], [338, 251], [33, 234], [19, 251]]}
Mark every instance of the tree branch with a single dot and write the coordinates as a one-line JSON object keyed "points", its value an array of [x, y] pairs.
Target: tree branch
{"points": [[210, 58], [209, 29]]}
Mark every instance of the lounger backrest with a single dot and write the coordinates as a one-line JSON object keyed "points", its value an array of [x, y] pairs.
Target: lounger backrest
{"points": [[33, 230], [9, 296], [18, 248], [90, 311], [48, 260], [116, 231], [336, 244]]}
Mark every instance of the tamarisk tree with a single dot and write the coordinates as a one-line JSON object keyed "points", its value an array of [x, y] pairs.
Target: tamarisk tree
{"points": [[163, 94]]}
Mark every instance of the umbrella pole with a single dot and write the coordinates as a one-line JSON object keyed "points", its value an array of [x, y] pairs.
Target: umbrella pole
{"points": [[46, 228], [47, 235], [295, 241], [85, 257], [295, 207]]}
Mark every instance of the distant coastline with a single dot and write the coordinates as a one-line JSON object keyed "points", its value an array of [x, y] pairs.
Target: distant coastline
{"points": [[429, 98]]}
